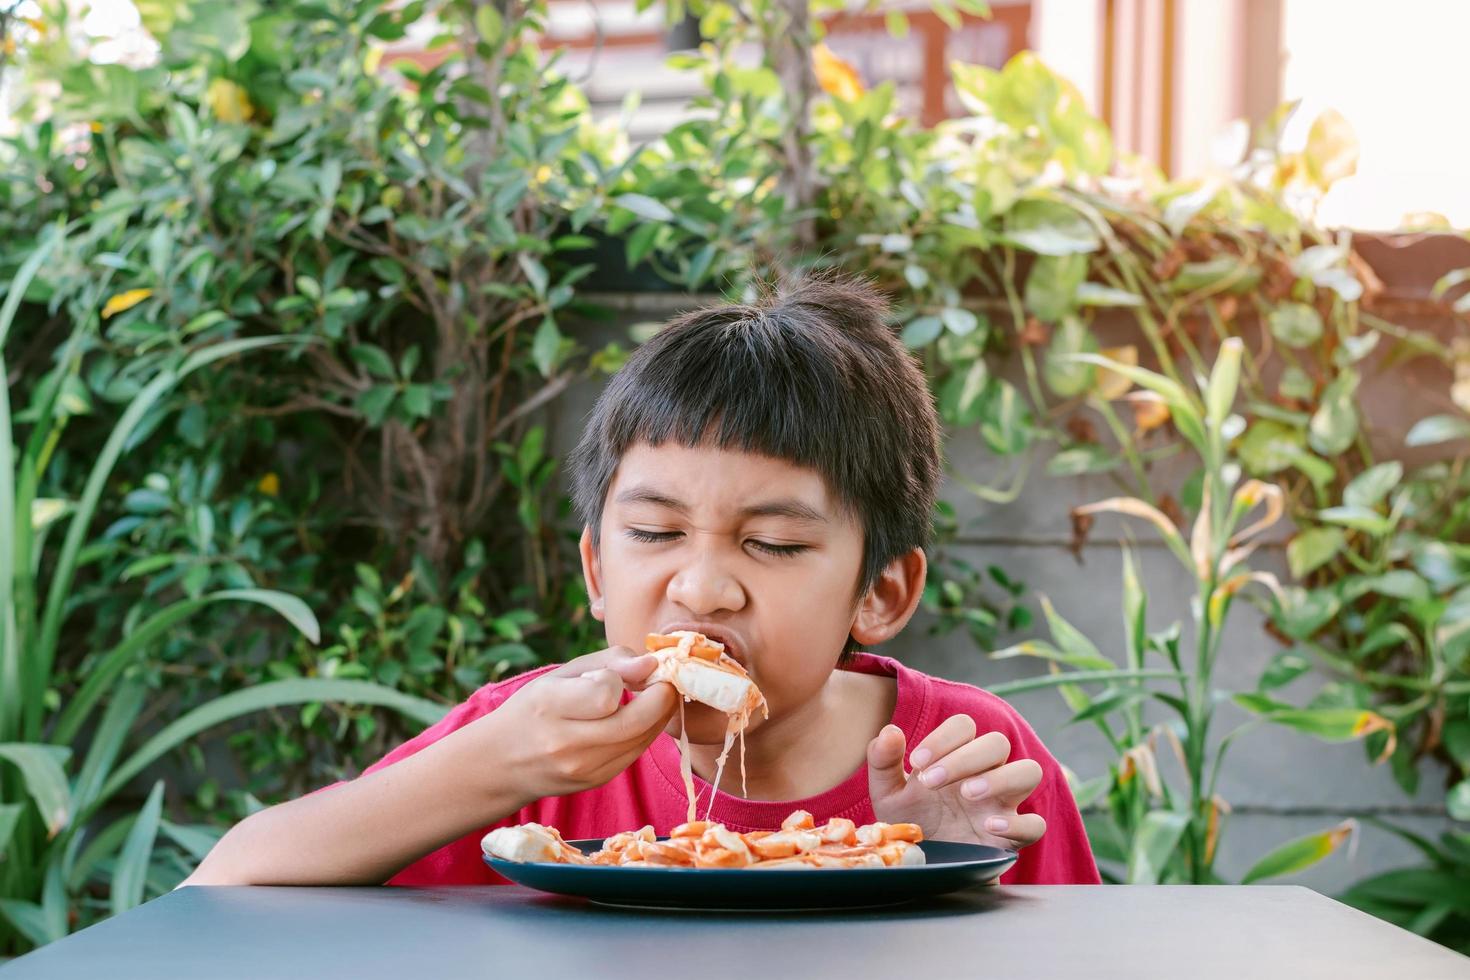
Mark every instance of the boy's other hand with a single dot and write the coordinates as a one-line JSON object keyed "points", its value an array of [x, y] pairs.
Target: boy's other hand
{"points": [[961, 787], [569, 730]]}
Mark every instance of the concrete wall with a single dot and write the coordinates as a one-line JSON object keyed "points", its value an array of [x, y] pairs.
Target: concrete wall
{"points": [[1280, 784]]}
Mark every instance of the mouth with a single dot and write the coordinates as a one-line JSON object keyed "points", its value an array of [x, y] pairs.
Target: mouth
{"points": [[726, 638]]}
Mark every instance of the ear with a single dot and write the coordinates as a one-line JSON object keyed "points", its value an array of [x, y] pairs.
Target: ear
{"points": [[592, 575], [889, 604]]}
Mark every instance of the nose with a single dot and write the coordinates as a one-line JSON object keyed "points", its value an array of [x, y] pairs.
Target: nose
{"points": [[704, 586]]}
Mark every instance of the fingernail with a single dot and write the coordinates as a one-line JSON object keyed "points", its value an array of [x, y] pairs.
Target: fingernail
{"points": [[932, 777], [975, 788], [921, 758], [997, 825]]}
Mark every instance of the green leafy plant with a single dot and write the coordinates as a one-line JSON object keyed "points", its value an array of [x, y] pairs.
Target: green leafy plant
{"points": [[1148, 831], [1428, 899], [63, 764]]}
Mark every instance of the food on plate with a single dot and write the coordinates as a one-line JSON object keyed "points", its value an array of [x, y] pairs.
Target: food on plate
{"points": [[531, 842], [798, 845], [701, 670]]}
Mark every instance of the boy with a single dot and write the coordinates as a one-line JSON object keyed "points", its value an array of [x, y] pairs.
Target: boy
{"points": [[764, 475]]}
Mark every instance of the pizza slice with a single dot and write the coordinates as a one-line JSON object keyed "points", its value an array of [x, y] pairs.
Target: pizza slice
{"points": [[701, 670]]}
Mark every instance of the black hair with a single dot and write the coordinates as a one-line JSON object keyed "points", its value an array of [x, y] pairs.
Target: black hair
{"points": [[811, 374]]}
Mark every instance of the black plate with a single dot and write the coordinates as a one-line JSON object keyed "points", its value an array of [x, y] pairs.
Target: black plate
{"points": [[950, 867]]}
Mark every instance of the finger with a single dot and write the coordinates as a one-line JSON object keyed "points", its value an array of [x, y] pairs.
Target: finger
{"points": [[640, 720], [634, 670], [612, 658], [586, 696], [885, 763], [1021, 829], [954, 731], [971, 759], [1008, 785]]}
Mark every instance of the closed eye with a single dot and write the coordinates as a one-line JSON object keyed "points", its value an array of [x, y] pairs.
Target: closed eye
{"points": [[660, 537]]}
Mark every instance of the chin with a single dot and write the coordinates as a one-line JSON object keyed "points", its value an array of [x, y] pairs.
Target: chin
{"points": [[705, 725]]}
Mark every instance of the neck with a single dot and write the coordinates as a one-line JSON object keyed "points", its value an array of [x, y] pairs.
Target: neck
{"points": [[810, 749]]}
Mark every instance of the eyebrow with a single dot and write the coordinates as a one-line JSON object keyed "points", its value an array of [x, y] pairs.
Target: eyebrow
{"points": [[787, 507]]}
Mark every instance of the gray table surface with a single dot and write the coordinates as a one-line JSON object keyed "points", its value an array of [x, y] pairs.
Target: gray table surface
{"points": [[1013, 932]]}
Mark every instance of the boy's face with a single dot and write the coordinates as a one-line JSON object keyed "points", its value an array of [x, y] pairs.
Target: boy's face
{"points": [[749, 548]]}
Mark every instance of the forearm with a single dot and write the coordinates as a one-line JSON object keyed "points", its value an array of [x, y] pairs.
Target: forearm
{"points": [[365, 831]]}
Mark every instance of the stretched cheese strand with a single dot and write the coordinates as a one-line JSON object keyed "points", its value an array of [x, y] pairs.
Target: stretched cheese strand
{"points": [[686, 765]]}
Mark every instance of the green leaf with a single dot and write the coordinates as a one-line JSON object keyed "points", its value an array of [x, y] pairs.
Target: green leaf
{"points": [[1269, 446], [1328, 724], [1093, 294], [1299, 854], [1006, 422], [1438, 428], [104, 674], [45, 780], [9, 816], [644, 206], [1369, 487], [1457, 802], [1051, 286], [489, 24], [375, 360], [1398, 583], [373, 403], [1452, 632], [535, 273], [1359, 518], [1304, 612], [1312, 549], [197, 839], [271, 695], [131, 872], [1082, 459], [545, 347], [1066, 679], [1295, 324], [123, 708], [1224, 380], [30, 920], [921, 331], [1334, 425], [958, 321], [1284, 668], [1065, 375], [1049, 228], [1044, 650], [1153, 845]]}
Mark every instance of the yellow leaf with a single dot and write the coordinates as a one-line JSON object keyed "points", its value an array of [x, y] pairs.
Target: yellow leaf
{"points": [[228, 101], [373, 58], [1212, 828], [1111, 385], [1332, 149], [36, 25], [837, 78], [1368, 723], [124, 301], [270, 485], [1252, 493], [1149, 411]]}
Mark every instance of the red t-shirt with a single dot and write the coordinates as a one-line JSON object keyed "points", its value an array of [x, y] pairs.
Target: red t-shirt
{"points": [[651, 791]]}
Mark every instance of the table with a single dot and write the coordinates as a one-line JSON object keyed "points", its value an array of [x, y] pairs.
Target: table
{"points": [[1009, 932]]}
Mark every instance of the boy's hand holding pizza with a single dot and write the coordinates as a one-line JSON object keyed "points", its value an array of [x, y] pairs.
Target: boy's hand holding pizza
{"points": [[571, 730], [961, 787]]}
